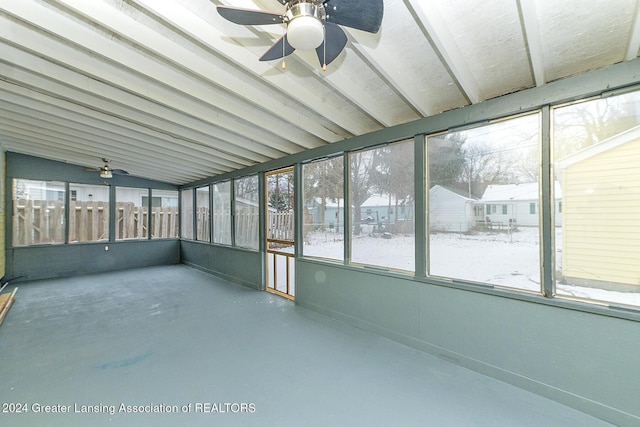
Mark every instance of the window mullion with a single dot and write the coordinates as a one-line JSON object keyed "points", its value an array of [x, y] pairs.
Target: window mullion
{"points": [[546, 206]]}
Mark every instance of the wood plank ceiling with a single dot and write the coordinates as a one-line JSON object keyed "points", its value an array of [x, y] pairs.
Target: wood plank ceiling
{"points": [[171, 91]]}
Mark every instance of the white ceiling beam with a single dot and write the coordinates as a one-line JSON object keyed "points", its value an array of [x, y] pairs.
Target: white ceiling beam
{"points": [[529, 17], [94, 94], [175, 54], [20, 141], [446, 47], [94, 148], [385, 65], [101, 143], [350, 87], [210, 36], [65, 110], [182, 92], [634, 39]]}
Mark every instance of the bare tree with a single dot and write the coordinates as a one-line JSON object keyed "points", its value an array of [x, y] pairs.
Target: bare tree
{"points": [[446, 160], [324, 181], [579, 126], [484, 165], [365, 176]]}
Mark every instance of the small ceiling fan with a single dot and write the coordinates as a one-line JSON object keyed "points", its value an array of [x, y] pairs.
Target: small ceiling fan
{"points": [[106, 171], [312, 24]]}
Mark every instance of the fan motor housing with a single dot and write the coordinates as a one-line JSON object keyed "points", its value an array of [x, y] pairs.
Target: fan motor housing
{"points": [[298, 8]]}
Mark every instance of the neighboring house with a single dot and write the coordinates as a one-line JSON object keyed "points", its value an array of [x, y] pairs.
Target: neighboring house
{"points": [[382, 208], [376, 209], [333, 213], [517, 204], [601, 242], [451, 211]]}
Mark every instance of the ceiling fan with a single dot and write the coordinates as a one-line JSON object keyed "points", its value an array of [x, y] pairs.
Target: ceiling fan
{"points": [[312, 24], [106, 171]]}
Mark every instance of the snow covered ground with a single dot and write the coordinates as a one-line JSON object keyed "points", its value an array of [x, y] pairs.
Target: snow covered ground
{"points": [[510, 260]]}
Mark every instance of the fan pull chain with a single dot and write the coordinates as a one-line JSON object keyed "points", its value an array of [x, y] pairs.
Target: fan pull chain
{"points": [[324, 48], [284, 41]]}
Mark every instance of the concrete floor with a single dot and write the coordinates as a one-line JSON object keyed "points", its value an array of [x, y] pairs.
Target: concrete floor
{"points": [[177, 336]]}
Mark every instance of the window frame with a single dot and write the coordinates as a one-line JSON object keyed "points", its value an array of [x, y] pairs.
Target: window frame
{"points": [[229, 220], [350, 214], [165, 215], [59, 239], [492, 207], [237, 243], [73, 197], [341, 211], [544, 211]]}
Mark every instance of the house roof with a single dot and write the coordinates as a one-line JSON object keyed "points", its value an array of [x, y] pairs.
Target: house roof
{"points": [[375, 200], [515, 192], [621, 138], [455, 191]]}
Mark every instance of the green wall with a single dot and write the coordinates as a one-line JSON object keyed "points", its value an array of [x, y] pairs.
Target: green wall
{"points": [[582, 355], [584, 360], [60, 260], [236, 265]]}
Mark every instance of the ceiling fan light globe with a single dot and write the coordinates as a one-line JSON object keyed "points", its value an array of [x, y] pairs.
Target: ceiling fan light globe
{"points": [[106, 174], [305, 33]]}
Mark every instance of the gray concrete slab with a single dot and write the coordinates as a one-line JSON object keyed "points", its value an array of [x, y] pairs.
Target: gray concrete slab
{"points": [[171, 345]]}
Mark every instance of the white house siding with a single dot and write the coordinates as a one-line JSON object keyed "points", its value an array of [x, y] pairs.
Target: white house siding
{"points": [[601, 209], [90, 192], [375, 207], [449, 211], [131, 195], [518, 200]]}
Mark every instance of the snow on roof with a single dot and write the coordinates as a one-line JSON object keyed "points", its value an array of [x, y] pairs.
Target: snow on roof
{"points": [[379, 200], [515, 192], [375, 200], [455, 191]]}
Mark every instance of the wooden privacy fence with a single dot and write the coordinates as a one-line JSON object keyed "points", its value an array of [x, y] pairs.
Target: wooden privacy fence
{"points": [[222, 227], [165, 223], [281, 226], [247, 228], [37, 222], [42, 221], [203, 224], [131, 221], [88, 221], [247, 223]]}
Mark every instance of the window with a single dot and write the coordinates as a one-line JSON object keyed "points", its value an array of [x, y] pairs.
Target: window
{"points": [[131, 213], [532, 208], [247, 210], [38, 212], [186, 214], [222, 213], [164, 214], [381, 181], [323, 204], [597, 237], [504, 209], [88, 213], [491, 165], [203, 220]]}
